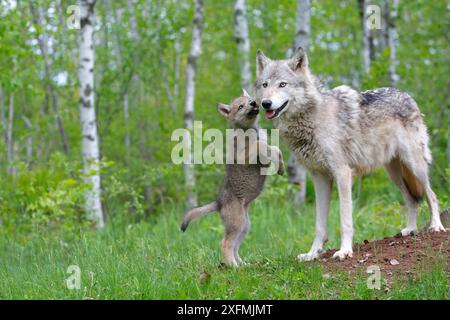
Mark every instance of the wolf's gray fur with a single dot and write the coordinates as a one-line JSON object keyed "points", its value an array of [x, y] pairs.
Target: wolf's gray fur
{"points": [[242, 183], [341, 133]]}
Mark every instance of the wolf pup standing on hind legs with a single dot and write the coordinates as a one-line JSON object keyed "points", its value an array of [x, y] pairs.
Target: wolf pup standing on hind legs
{"points": [[243, 182], [341, 133]]}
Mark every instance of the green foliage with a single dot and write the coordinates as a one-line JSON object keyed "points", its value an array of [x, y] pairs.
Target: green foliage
{"points": [[43, 199]]}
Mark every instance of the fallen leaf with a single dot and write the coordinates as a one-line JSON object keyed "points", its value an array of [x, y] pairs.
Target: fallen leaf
{"points": [[394, 262]]}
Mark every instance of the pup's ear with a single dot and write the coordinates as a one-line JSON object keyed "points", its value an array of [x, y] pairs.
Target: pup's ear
{"points": [[299, 62], [261, 62], [246, 93], [224, 109]]}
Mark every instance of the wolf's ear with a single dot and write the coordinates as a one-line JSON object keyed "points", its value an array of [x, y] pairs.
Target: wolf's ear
{"points": [[224, 109], [261, 62], [299, 62], [245, 93]]}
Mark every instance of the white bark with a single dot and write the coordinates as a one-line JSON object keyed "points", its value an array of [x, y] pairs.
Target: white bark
{"points": [[303, 25], [393, 43], [196, 46], [366, 37], [90, 143], [243, 43], [297, 172]]}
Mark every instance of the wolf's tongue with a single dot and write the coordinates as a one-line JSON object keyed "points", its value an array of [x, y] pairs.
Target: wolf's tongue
{"points": [[269, 114]]}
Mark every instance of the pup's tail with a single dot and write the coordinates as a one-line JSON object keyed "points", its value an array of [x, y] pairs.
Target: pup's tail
{"points": [[197, 213]]}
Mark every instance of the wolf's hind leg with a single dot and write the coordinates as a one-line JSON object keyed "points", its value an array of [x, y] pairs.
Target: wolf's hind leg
{"points": [[234, 219], [417, 167], [395, 173]]}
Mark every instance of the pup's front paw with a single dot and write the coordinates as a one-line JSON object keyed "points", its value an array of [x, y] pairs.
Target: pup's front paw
{"points": [[342, 254], [310, 256]]}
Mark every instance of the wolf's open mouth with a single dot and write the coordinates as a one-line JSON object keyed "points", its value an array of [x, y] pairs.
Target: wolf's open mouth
{"points": [[270, 114]]}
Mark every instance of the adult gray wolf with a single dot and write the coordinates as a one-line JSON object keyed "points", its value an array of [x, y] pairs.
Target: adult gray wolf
{"points": [[340, 133], [243, 182]]}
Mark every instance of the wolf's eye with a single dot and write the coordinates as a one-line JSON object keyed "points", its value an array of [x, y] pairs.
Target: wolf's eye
{"points": [[264, 85], [283, 84], [240, 107]]}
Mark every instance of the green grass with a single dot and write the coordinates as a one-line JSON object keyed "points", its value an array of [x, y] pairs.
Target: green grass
{"points": [[154, 260]]}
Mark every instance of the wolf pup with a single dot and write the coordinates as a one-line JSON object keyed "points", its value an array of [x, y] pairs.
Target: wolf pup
{"points": [[242, 183], [340, 133]]}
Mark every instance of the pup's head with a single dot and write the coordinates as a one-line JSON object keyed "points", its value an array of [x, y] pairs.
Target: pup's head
{"points": [[242, 112], [283, 85]]}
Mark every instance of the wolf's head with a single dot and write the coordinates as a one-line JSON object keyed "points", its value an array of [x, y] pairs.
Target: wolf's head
{"points": [[284, 86], [242, 112]]}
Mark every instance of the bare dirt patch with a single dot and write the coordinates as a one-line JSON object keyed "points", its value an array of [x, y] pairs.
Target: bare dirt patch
{"points": [[396, 256]]}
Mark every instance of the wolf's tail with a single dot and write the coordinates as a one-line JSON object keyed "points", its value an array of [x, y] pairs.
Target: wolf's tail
{"points": [[197, 213]]}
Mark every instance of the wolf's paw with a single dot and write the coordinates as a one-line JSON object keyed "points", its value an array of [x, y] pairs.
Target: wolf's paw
{"points": [[437, 228], [343, 254], [310, 256], [408, 231]]}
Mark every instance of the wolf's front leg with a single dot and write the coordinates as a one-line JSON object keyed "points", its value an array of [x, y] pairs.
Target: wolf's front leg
{"points": [[343, 178], [322, 188]]}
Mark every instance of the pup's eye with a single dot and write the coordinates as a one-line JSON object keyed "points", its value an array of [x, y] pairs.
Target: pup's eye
{"points": [[264, 85], [240, 107], [283, 84]]}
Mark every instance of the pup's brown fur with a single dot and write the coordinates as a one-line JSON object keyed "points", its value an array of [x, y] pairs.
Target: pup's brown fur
{"points": [[242, 183]]}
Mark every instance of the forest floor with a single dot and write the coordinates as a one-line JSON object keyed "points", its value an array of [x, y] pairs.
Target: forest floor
{"points": [[152, 259], [396, 256]]}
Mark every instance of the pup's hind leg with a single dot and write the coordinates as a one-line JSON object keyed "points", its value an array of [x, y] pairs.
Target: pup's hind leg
{"points": [[395, 173], [245, 228], [234, 219]]}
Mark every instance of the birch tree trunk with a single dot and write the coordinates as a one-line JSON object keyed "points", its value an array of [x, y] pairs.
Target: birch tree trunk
{"points": [[196, 45], [392, 42], [90, 143], [243, 43], [297, 172], [367, 40]]}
